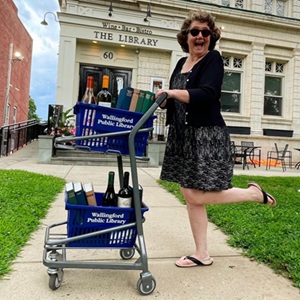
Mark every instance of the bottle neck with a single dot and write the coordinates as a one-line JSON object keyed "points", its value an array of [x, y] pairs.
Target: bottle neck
{"points": [[90, 82], [105, 81], [111, 178], [126, 180]]}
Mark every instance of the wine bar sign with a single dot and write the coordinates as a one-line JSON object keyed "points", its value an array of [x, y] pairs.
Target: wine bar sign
{"points": [[129, 36]]}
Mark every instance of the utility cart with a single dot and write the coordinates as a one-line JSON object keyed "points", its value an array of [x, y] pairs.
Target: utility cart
{"points": [[90, 226]]}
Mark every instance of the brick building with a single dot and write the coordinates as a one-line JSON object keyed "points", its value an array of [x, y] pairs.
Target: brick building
{"points": [[14, 38]]}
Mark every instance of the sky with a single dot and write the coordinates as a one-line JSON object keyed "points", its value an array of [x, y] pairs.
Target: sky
{"points": [[45, 50]]}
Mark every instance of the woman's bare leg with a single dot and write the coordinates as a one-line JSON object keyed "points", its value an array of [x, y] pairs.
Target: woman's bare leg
{"points": [[196, 201], [234, 195]]}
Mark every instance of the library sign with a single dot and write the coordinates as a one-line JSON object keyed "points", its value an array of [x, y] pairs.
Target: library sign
{"points": [[127, 35], [106, 218], [112, 121]]}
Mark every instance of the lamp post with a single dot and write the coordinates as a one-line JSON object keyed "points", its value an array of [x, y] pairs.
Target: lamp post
{"points": [[44, 21], [11, 58], [19, 57]]}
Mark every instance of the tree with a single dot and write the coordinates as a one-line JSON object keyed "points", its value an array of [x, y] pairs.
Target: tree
{"points": [[32, 115]]}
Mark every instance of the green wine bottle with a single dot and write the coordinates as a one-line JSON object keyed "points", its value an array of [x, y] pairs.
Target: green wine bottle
{"points": [[110, 197]]}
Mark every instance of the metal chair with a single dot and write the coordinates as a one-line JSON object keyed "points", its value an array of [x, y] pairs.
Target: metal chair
{"points": [[251, 152], [279, 156], [240, 151]]}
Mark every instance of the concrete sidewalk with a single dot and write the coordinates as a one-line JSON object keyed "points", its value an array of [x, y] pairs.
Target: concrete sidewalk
{"points": [[168, 236]]}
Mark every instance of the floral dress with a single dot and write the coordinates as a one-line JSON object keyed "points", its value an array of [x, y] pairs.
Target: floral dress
{"points": [[197, 158]]}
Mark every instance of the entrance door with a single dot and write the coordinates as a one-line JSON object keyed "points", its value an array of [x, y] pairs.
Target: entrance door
{"points": [[118, 79]]}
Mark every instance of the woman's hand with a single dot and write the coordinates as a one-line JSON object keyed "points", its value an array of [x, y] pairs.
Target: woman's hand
{"points": [[180, 95], [158, 93]]}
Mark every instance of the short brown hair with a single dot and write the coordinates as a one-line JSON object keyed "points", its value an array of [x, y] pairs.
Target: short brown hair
{"points": [[201, 16]]}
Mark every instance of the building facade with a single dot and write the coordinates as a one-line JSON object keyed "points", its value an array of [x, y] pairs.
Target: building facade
{"points": [[134, 42], [15, 71]]}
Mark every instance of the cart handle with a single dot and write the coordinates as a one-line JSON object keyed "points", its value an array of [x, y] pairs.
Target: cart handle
{"points": [[133, 165], [65, 139]]}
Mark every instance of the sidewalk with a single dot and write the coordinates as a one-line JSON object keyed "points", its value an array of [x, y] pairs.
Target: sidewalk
{"points": [[167, 235]]}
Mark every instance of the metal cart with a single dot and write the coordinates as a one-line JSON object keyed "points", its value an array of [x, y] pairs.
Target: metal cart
{"points": [[129, 238]]}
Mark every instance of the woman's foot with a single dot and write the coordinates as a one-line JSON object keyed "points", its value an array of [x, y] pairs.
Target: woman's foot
{"points": [[190, 261], [267, 198]]}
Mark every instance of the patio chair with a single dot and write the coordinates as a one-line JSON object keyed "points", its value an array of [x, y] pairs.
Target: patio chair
{"points": [[240, 154], [251, 152], [279, 156]]}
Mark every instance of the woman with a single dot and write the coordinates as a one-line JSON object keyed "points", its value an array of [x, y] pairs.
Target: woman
{"points": [[198, 154]]}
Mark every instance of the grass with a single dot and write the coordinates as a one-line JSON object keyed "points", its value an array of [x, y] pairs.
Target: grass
{"points": [[24, 200], [268, 235]]}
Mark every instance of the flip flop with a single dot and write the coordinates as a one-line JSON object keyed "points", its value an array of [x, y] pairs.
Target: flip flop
{"points": [[193, 262], [265, 195]]}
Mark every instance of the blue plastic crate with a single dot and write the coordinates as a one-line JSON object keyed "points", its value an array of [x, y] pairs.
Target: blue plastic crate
{"points": [[84, 219], [95, 119]]}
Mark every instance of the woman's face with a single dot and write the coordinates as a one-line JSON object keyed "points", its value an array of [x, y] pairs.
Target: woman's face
{"points": [[198, 38]]}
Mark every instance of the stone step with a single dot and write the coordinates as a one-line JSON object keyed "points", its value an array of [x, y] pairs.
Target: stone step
{"points": [[86, 158]]}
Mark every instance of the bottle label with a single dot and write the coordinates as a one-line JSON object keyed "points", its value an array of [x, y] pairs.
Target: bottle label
{"points": [[124, 202]]}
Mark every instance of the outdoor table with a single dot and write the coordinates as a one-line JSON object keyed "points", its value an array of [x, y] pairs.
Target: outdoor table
{"points": [[297, 165], [246, 151]]}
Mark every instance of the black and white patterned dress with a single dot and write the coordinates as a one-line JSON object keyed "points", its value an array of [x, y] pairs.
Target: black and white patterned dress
{"points": [[197, 158]]}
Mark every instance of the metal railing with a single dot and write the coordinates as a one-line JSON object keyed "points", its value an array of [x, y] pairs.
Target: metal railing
{"points": [[14, 136], [160, 131]]}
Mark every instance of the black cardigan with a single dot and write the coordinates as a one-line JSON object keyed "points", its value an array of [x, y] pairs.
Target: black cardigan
{"points": [[204, 87]]}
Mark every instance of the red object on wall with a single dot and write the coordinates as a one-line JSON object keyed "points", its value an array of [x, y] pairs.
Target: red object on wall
{"points": [[13, 31]]}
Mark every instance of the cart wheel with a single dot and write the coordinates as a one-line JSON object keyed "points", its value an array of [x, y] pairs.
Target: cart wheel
{"points": [[55, 281], [127, 253], [146, 289]]}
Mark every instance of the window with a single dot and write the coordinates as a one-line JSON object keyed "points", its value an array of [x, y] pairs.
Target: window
{"points": [[275, 7], [273, 88], [233, 3], [231, 88]]}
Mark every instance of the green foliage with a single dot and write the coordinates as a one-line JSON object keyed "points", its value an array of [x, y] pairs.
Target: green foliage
{"points": [[32, 115], [268, 235], [24, 200], [64, 126]]}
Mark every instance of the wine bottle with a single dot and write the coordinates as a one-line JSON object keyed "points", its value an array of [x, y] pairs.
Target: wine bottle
{"points": [[93, 98], [110, 197], [89, 96], [125, 193], [104, 96]]}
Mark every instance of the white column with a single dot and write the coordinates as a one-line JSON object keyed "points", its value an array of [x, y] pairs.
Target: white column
{"points": [[257, 89], [66, 72], [296, 95]]}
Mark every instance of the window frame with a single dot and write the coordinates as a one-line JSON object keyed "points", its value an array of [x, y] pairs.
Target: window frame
{"points": [[234, 3], [274, 4], [273, 73], [235, 70]]}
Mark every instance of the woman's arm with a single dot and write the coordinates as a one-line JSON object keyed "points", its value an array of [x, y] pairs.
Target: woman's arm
{"points": [[181, 95]]}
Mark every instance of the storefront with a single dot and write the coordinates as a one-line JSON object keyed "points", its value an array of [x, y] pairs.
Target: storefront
{"points": [[131, 51], [134, 43]]}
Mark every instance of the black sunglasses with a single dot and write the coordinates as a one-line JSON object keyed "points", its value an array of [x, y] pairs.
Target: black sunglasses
{"points": [[194, 32]]}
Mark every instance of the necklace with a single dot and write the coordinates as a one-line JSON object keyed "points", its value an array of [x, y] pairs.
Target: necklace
{"points": [[189, 64]]}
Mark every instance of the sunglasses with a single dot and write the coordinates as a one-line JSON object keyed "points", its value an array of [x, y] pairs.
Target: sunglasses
{"points": [[194, 32]]}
